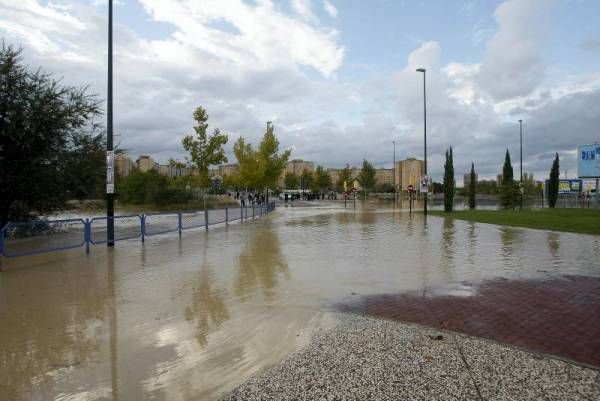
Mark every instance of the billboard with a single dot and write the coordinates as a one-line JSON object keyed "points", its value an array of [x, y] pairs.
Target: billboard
{"points": [[588, 161], [567, 186]]}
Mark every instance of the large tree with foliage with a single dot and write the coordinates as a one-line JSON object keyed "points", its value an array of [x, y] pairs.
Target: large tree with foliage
{"points": [[366, 177], [345, 176], [553, 182], [472, 186], [449, 183], [251, 170], [41, 123], [507, 189], [205, 149], [322, 179], [306, 179], [290, 180], [273, 163]]}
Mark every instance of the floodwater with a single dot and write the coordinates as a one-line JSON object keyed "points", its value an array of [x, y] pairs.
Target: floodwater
{"points": [[191, 318]]}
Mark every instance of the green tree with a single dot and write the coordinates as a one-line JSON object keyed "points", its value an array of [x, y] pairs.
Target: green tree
{"points": [[273, 163], [449, 183], [507, 189], [85, 166], [472, 185], [291, 180], [251, 170], [306, 179], [366, 177], [39, 118], [205, 149], [438, 187], [345, 176], [553, 182], [322, 179]]}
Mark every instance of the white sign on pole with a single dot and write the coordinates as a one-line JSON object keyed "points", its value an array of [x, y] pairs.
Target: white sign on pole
{"points": [[424, 184], [110, 175]]}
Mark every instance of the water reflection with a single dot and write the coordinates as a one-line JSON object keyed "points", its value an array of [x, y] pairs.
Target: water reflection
{"points": [[510, 238], [447, 243], [260, 263], [207, 308], [47, 326], [554, 247]]}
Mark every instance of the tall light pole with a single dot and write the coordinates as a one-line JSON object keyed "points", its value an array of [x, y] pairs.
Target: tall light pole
{"points": [[110, 206], [521, 188], [394, 172], [424, 132], [267, 197]]}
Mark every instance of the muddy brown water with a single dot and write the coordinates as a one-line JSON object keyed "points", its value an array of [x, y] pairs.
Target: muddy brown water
{"points": [[191, 318]]}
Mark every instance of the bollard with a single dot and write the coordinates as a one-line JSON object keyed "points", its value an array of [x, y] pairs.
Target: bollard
{"points": [[252, 212], [226, 216], [143, 226], [206, 219], [179, 223], [87, 234]]}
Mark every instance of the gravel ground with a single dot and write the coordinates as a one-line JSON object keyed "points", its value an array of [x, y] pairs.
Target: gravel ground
{"points": [[370, 359]]}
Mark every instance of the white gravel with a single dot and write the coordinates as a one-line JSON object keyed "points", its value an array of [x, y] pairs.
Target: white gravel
{"points": [[371, 359]]}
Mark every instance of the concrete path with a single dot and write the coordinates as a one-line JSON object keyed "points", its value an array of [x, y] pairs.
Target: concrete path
{"points": [[375, 359]]}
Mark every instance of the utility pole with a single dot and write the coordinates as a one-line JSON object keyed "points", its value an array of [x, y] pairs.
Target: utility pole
{"points": [[110, 207], [521, 188], [424, 132], [394, 172]]}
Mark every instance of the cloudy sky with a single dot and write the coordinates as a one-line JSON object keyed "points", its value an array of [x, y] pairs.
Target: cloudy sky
{"points": [[337, 77]]}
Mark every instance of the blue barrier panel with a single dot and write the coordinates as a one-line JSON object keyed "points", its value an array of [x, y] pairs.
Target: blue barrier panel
{"points": [[160, 223], [126, 227], [192, 219], [216, 216], [234, 214], [40, 236]]}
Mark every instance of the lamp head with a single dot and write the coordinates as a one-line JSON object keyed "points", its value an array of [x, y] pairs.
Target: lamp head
{"points": [[420, 69]]}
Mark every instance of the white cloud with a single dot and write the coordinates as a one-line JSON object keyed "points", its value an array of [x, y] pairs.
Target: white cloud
{"points": [[512, 64], [304, 9], [330, 9]]}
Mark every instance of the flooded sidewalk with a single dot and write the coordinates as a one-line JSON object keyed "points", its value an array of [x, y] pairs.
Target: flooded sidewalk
{"points": [[193, 318]]}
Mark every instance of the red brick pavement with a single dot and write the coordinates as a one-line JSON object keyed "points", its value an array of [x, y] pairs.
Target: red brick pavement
{"points": [[558, 316]]}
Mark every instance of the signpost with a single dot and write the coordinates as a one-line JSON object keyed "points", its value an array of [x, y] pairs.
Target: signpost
{"points": [[410, 190], [110, 172]]}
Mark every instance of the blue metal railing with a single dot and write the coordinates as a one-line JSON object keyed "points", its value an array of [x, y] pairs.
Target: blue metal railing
{"points": [[23, 238]]}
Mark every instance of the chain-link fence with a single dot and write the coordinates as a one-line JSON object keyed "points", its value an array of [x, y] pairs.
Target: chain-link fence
{"points": [[40, 236]]}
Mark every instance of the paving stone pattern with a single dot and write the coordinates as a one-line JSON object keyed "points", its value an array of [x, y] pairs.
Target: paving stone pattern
{"points": [[560, 317]]}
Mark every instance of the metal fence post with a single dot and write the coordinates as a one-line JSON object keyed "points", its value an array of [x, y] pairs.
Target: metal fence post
{"points": [[241, 213], [143, 227], [206, 218], [179, 226], [87, 234], [252, 212], [226, 216]]}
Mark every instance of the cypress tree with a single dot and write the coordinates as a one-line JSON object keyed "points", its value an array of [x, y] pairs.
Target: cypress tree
{"points": [[507, 189], [472, 184], [553, 182], [449, 181]]}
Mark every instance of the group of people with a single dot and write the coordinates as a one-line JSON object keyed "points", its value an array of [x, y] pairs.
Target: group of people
{"points": [[250, 198]]}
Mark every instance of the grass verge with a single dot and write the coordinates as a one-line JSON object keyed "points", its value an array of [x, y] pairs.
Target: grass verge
{"points": [[584, 221]]}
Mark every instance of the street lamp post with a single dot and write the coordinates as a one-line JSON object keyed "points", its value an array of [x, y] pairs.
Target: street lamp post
{"points": [[267, 196], [424, 131], [521, 188], [394, 172], [110, 207]]}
